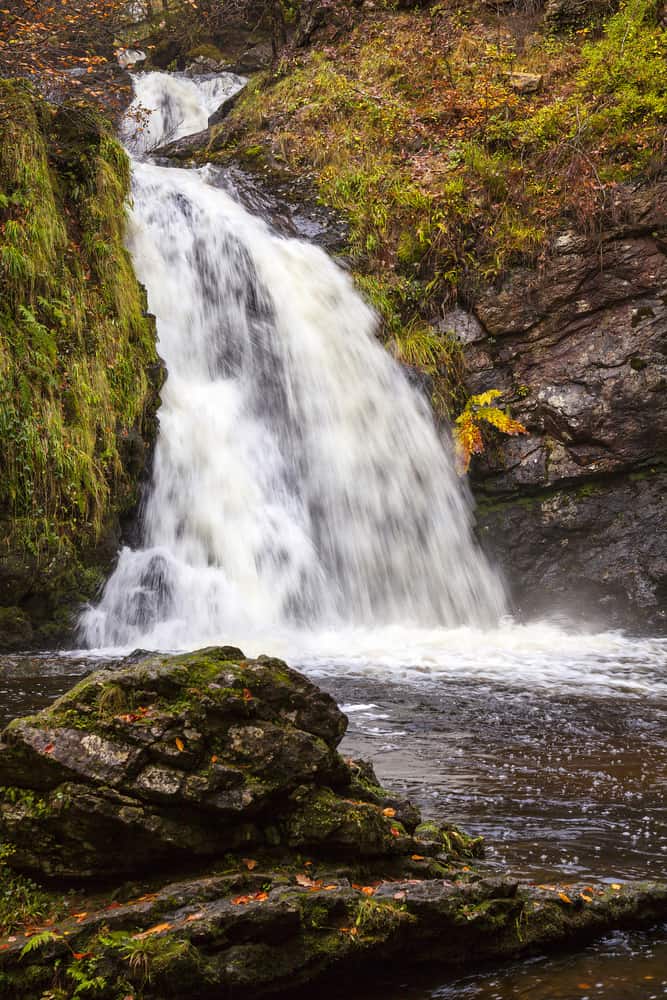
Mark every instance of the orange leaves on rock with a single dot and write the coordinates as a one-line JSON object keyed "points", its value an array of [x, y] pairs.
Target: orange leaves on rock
{"points": [[250, 863], [257, 897], [304, 880], [389, 812], [417, 857], [564, 896], [130, 717], [180, 745], [80, 917], [49, 748], [586, 898], [193, 916], [157, 929]]}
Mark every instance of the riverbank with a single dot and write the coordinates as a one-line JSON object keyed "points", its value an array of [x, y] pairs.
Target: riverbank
{"points": [[301, 905]]}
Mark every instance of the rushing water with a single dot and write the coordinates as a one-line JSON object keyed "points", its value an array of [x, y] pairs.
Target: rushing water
{"points": [[304, 505]]}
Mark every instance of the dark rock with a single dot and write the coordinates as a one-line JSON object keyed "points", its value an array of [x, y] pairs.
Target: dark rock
{"points": [[166, 759], [580, 349], [221, 113]]}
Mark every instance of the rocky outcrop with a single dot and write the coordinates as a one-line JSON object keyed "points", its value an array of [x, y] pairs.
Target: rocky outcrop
{"points": [[260, 859], [573, 509], [170, 759], [79, 375]]}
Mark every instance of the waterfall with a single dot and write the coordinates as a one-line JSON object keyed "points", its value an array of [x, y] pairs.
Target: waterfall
{"points": [[299, 480]]}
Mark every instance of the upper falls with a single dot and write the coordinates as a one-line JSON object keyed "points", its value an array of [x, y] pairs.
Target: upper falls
{"points": [[298, 477]]}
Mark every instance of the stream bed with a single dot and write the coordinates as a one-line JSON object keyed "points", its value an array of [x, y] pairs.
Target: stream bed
{"points": [[564, 783]]}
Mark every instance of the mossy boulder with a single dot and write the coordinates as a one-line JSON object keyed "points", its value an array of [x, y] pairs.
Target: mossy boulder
{"points": [[168, 758]]}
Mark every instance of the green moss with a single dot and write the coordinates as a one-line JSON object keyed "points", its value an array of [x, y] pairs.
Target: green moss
{"points": [[76, 342]]}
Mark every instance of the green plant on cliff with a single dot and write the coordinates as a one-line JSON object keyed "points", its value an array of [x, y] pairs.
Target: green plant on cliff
{"points": [[414, 127], [21, 900], [480, 410], [76, 342]]}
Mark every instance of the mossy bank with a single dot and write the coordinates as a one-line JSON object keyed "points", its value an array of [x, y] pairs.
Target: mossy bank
{"points": [[79, 376]]}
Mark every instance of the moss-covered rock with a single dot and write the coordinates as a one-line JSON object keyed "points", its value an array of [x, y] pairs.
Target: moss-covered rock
{"points": [[79, 378], [164, 759]]}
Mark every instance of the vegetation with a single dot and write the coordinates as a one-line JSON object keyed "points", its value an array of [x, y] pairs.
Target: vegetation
{"points": [[76, 342], [418, 127], [479, 410]]}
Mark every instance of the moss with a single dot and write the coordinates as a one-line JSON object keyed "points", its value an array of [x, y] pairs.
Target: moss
{"points": [[411, 129], [76, 349]]}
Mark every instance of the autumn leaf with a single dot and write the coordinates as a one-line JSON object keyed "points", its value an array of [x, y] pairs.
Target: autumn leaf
{"points": [[193, 916], [388, 812], [615, 886], [180, 746], [49, 748], [586, 899], [240, 900], [303, 880], [417, 857], [395, 832], [368, 890], [214, 759], [249, 863], [261, 896], [157, 929], [247, 695], [82, 954], [328, 888], [564, 896]]}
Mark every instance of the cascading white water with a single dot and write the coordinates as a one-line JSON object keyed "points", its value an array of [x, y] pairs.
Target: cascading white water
{"points": [[298, 478]]}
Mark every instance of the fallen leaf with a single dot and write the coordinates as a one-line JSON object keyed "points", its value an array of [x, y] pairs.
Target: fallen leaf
{"points": [[261, 896], [180, 746], [388, 812], [151, 930], [368, 890], [308, 864], [249, 863], [247, 694], [615, 886], [564, 896], [193, 916], [395, 832], [80, 917], [240, 900], [304, 880], [49, 748], [587, 899], [82, 954], [4, 947], [417, 857], [583, 986]]}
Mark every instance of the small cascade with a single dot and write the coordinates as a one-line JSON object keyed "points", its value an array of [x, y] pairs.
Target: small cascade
{"points": [[299, 480]]}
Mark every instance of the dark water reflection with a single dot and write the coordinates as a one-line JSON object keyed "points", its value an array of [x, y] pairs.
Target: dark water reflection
{"points": [[562, 786]]}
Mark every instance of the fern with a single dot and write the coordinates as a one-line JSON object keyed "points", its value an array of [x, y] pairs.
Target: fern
{"points": [[38, 941], [468, 437]]}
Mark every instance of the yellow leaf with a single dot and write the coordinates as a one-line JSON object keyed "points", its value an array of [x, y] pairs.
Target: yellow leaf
{"points": [[180, 746], [249, 863], [615, 886], [586, 899], [564, 896], [388, 812], [417, 857]]}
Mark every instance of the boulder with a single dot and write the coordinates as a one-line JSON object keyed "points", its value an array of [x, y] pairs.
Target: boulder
{"points": [[168, 759]]}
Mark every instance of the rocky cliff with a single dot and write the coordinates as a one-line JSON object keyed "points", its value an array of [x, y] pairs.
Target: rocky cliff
{"points": [[79, 377]]}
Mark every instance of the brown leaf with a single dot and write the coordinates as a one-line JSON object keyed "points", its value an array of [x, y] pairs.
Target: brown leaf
{"points": [[417, 857], [261, 896], [240, 900], [303, 880], [49, 748], [193, 916]]}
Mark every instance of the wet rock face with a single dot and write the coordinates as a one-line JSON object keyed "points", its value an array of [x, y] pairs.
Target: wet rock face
{"points": [[168, 759], [580, 349]]}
